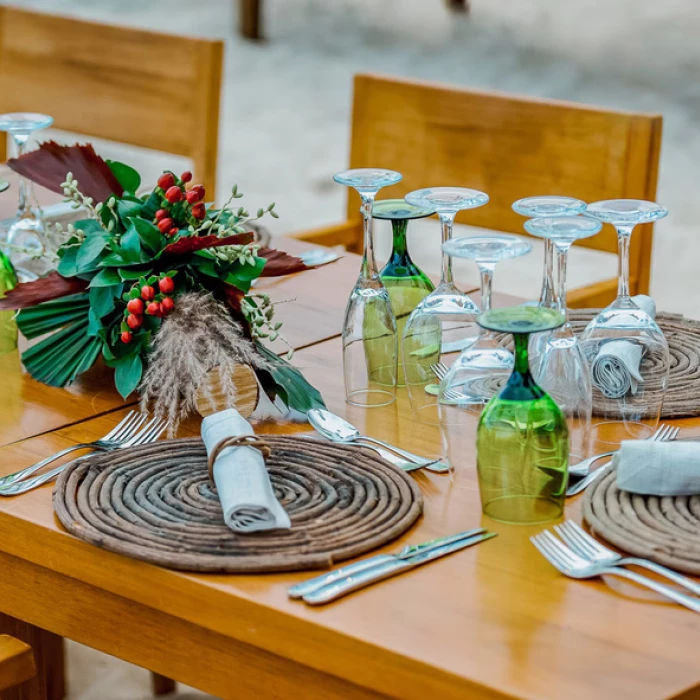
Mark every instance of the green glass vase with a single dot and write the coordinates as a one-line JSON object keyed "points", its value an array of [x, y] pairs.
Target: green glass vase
{"points": [[522, 440], [8, 326], [405, 282]]}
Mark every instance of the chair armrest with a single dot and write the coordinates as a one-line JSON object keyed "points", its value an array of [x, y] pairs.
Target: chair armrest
{"points": [[348, 234], [16, 662]]}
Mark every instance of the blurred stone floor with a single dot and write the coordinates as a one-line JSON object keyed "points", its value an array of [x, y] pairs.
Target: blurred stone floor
{"points": [[285, 121]]}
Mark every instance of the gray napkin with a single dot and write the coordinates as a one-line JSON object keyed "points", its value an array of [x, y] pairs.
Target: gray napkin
{"points": [[242, 482], [658, 468], [615, 369]]}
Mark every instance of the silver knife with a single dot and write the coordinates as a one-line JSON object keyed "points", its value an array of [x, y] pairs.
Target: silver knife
{"points": [[299, 590], [388, 569]]}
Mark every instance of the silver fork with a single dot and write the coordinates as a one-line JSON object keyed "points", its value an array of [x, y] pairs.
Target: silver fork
{"points": [[149, 433], [582, 468], [665, 433], [440, 370], [572, 565], [124, 430], [583, 544]]}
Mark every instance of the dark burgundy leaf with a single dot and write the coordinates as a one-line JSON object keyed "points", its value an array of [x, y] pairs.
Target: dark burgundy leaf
{"points": [[191, 244], [280, 263], [46, 288], [51, 162]]}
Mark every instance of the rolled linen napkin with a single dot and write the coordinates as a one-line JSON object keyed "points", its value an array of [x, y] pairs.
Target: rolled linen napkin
{"points": [[247, 499], [658, 468], [615, 369]]}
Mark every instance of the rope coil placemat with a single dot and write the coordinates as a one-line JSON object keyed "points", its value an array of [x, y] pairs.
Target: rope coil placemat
{"points": [[665, 529], [157, 503]]}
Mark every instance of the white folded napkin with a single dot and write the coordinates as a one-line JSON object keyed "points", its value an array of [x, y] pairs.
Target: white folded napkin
{"points": [[658, 468], [243, 484], [615, 369]]}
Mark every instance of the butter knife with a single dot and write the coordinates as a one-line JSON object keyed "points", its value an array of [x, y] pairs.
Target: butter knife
{"points": [[381, 571], [299, 590]]}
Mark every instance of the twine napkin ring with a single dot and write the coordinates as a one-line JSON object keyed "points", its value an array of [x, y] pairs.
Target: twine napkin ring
{"points": [[237, 441]]}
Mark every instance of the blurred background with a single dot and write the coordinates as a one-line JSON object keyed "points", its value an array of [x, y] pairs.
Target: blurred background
{"points": [[286, 100], [286, 118]]}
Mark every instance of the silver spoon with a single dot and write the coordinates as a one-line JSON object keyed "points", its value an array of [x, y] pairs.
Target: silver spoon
{"points": [[337, 429]]}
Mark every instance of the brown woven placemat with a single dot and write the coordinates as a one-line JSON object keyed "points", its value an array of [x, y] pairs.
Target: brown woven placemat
{"points": [[665, 529], [157, 503]]}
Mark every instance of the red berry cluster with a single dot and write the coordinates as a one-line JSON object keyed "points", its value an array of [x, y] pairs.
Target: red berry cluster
{"points": [[180, 206], [153, 303]]}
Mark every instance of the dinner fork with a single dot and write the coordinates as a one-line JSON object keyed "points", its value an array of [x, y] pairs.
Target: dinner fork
{"points": [[124, 430], [665, 433], [149, 433], [572, 565], [587, 547]]}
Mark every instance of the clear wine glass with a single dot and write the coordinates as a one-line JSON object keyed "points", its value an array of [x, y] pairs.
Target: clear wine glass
{"points": [[562, 368], [548, 205], [624, 345], [443, 322], [26, 230], [370, 346]]}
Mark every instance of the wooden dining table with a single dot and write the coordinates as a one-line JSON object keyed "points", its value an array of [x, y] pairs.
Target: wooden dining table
{"points": [[491, 622]]}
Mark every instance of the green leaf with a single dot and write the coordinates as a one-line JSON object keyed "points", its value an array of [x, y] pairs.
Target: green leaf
{"points": [[128, 373], [102, 299], [151, 206], [291, 386], [68, 264], [131, 244], [150, 235], [94, 324], [128, 209], [90, 251], [133, 273], [128, 178], [106, 277], [44, 318]]}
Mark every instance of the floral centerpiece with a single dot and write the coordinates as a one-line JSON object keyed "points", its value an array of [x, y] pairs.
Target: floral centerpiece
{"points": [[124, 270]]}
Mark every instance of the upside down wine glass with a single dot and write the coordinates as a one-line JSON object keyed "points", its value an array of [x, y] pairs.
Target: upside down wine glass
{"points": [[370, 348], [405, 282], [522, 440], [443, 322], [26, 230], [562, 369], [624, 345]]}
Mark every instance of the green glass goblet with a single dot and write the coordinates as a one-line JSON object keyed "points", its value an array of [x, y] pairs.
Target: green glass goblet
{"points": [[8, 325], [522, 442], [404, 281]]}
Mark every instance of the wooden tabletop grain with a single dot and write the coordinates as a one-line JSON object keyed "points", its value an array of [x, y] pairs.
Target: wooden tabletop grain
{"points": [[494, 621]]}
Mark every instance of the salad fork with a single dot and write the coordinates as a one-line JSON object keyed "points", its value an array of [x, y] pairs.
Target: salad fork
{"points": [[149, 433], [572, 565], [124, 430], [582, 543]]}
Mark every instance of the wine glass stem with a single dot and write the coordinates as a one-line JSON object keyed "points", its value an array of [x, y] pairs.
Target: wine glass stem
{"points": [[547, 294], [23, 208], [522, 363], [624, 234], [447, 220], [486, 271], [369, 264], [562, 258]]}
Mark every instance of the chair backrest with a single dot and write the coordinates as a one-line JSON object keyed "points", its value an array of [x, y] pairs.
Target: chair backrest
{"points": [[508, 146], [157, 91]]}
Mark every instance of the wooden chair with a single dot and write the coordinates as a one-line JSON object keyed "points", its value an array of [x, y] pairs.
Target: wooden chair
{"points": [[156, 91], [509, 147], [16, 663]]}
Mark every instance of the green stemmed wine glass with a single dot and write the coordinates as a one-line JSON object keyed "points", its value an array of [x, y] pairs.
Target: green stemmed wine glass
{"points": [[8, 325], [522, 443], [404, 281]]}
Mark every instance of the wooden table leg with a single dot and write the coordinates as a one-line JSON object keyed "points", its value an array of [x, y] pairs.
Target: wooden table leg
{"points": [[49, 682], [249, 12], [162, 685]]}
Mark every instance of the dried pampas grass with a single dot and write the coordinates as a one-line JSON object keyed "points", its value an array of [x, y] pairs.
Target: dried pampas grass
{"points": [[196, 337]]}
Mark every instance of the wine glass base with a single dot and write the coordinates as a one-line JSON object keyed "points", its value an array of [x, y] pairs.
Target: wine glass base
{"points": [[370, 398], [522, 510], [613, 432]]}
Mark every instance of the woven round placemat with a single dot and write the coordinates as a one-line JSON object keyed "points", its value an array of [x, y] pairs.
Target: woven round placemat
{"points": [[665, 529], [157, 503]]}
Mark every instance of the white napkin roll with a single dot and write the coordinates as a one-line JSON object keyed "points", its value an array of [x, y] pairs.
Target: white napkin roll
{"points": [[658, 468], [247, 499], [615, 369]]}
